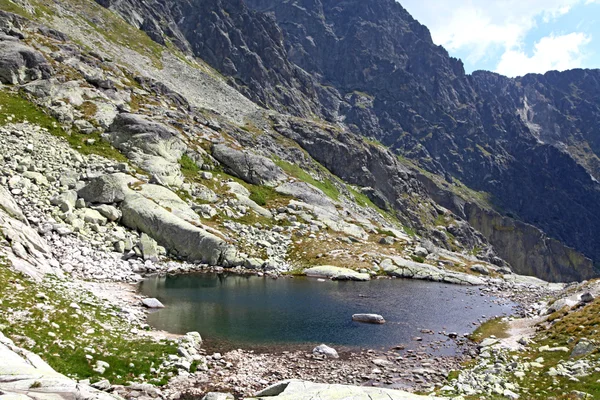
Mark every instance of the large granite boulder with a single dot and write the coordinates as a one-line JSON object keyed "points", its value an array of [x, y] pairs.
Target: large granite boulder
{"points": [[153, 146], [252, 168], [172, 232], [21, 64], [107, 189]]}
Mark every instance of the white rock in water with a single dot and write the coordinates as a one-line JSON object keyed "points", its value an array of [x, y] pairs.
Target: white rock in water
{"points": [[369, 318], [152, 303], [325, 350]]}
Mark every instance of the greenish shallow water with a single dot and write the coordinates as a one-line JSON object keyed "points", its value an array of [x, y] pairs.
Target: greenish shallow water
{"points": [[256, 311]]}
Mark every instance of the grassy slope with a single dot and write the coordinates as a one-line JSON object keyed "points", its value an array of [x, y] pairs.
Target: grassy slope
{"points": [[40, 318]]}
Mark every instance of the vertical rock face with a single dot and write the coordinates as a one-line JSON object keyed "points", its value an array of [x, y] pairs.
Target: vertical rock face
{"points": [[369, 64]]}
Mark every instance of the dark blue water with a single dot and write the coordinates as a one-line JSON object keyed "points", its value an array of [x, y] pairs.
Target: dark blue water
{"points": [[250, 310]]}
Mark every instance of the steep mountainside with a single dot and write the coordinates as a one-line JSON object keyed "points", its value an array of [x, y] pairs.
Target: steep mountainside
{"points": [[370, 65]]}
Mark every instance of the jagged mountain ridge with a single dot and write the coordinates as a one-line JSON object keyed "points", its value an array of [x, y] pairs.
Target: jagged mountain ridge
{"points": [[372, 66]]}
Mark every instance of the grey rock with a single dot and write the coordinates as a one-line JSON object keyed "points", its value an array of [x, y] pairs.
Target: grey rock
{"points": [[8, 204], [65, 201], [368, 318], [414, 270], [21, 64], [587, 297], [250, 167], [254, 263], [326, 351], [305, 192], [583, 348], [92, 216], [388, 240], [169, 201], [481, 269], [20, 369], [107, 189], [111, 213], [148, 247]]}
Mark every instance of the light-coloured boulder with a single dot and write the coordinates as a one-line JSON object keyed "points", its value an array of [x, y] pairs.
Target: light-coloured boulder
{"points": [[218, 396], [368, 318], [326, 351], [172, 232], [152, 303], [237, 189], [92, 216], [246, 201], [65, 201], [170, 201], [111, 213], [148, 247], [301, 390], [151, 145], [8, 204], [336, 273]]}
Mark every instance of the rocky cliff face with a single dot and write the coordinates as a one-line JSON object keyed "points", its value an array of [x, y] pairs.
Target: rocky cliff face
{"points": [[370, 65]]}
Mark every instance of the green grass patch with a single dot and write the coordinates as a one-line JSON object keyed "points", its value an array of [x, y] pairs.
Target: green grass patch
{"points": [[494, 327], [326, 186], [64, 336], [15, 108], [418, 259], [263, 195], [189, 168]]}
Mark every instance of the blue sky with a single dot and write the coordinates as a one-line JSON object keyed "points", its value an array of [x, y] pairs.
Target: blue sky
{"points": [[514, 37]]}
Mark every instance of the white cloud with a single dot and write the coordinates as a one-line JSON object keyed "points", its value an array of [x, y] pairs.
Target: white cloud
{"points": [[550, 53], [483, 29]]}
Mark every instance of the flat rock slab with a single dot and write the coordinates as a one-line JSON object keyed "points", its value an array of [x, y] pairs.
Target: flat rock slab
{"points": [[300, 390], [368, 318], [336, 273]]}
